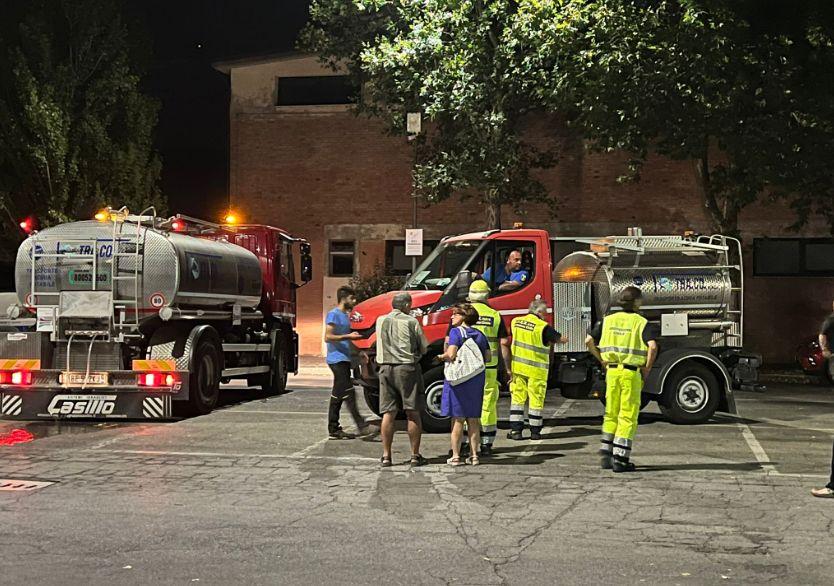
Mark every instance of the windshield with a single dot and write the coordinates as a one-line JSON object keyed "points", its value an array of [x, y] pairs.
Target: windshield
{"points": [[443, 264]]}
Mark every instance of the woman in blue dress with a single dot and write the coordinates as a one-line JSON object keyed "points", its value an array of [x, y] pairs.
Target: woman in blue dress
{"points": [[463, 402]]}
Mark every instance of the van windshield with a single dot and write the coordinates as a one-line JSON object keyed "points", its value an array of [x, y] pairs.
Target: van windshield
{"points": [[440, 267]]}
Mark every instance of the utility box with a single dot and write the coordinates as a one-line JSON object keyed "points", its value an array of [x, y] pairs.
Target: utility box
{"points": [[674, 324]]}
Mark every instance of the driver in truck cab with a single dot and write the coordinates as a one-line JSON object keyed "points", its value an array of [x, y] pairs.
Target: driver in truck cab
{"points": [[509, 277]]}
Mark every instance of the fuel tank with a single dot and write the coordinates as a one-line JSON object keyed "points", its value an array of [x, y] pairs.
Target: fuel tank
{"points": [[674, 282], [174, 269]]}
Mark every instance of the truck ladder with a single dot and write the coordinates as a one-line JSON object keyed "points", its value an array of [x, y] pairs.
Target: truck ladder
{"points": [[125, 304]]}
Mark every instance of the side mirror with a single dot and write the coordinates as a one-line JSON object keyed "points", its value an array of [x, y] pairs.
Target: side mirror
{"points": [[306, 263], [464, 280]]}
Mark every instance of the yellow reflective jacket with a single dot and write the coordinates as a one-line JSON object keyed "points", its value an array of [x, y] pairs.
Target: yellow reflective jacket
{"points": [[622, 339], [530, 356]]}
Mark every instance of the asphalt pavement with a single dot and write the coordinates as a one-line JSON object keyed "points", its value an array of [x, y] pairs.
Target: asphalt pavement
{"points": [[254, 493]]}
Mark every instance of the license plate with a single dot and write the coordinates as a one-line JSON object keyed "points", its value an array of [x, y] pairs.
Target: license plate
{"points": [[94, 379]]}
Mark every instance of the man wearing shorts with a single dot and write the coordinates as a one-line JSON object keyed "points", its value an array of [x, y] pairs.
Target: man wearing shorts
{"points": [[400, 344]]}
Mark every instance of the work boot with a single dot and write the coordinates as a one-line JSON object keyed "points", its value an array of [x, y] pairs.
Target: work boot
{"points": [[606, 462], [515, 436], [624, 466], [486, 450], [535, 434]]}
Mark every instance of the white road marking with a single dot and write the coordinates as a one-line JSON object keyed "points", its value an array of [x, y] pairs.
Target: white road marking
{"points": [[757, 449], [561, 410], [311, 448]]}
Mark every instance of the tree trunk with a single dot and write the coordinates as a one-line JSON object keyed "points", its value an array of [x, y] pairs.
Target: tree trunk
{"points": [[493, 216], [720, 222]]}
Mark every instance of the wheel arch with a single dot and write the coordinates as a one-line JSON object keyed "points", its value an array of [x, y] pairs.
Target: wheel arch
{"points": [[673, 359]]}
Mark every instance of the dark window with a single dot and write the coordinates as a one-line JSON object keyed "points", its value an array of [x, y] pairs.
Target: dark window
{"points": [[396, 262], [342, 253], [496, 263], [793, 257], [317, 90]]}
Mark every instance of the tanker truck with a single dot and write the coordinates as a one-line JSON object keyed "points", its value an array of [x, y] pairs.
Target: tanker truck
{"points": [[693, 293], [140, 317]]}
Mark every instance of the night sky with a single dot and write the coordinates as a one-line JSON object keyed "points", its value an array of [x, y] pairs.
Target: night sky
{"points": [[192, 134]]}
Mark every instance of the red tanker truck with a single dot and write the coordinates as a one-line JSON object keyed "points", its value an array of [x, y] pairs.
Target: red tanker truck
{"points": [[692, 288], [140, 317]]}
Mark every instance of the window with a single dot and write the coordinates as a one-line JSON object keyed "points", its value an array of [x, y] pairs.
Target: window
{"points": [[397, 263], [319, 90], [286, 260], [342, 254], [793, 257], [497, 269]]}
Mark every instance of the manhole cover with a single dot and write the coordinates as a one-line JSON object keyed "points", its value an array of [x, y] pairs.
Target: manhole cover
{"points": [[22, 485]]}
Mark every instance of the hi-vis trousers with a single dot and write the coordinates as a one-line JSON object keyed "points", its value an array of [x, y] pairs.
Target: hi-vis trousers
{"points": [[524, 388], [622, 407], [489, 409]]}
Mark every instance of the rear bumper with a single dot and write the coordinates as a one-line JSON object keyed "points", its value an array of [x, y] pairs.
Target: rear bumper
{"points": [[47, 399]]}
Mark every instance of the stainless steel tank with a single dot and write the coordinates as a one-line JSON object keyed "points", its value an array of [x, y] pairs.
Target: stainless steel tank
{"points": [[694, 283], [174, 269]]}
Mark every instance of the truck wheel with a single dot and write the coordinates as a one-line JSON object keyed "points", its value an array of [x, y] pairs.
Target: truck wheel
{"points": [[204, 381], [430, 415], [372, 401], [275, 381], [691, 394]]}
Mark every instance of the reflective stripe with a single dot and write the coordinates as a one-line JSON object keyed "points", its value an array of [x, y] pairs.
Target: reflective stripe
{"points": [[622, 350], [536, 349], [544, 365]]}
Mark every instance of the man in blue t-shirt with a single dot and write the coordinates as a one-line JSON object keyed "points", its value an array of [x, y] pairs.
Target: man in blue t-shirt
{"points": [[337, 335], [510, 276]]}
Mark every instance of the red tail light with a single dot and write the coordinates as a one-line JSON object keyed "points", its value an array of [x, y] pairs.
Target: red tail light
{"points": [[157, 379], [21, 378], [178, 226]]}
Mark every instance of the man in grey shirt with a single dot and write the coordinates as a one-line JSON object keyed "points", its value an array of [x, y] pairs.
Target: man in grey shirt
{"points": [[400, 344]]}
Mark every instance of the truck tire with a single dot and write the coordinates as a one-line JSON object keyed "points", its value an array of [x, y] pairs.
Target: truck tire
{"points": [[275, 381], [691, 394], [204, 380], [372, 401], [430, 415], [645, 399]]}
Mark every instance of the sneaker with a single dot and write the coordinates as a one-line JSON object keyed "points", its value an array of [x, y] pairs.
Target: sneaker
{"points": [[486, 450], [341, 435], [515, 436], [624, 466]]}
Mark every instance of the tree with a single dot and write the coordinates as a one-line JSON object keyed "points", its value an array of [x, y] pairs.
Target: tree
{"points": [[75, 130], [736, 87], [451, 61]]}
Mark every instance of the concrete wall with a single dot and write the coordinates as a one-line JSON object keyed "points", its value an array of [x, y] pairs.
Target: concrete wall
{"points": [[324, 173]]}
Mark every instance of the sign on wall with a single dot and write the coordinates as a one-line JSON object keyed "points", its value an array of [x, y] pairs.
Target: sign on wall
{"points": [[414, 242]]}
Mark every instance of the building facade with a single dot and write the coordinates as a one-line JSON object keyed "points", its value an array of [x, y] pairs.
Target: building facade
{"points": [[302, 160]]}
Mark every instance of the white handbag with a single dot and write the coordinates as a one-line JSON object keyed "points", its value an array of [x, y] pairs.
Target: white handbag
{"points": [[468, 364]]}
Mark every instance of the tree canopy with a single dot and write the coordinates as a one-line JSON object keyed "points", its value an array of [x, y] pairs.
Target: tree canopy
{"points": [[740, 93], [75, 129], [740, 88]]}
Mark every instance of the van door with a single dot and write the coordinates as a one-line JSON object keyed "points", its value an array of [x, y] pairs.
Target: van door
{"points": [[511, 293]]}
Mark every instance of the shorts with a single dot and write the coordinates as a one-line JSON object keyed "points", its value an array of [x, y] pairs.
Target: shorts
{"points": [[400, 387]]}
